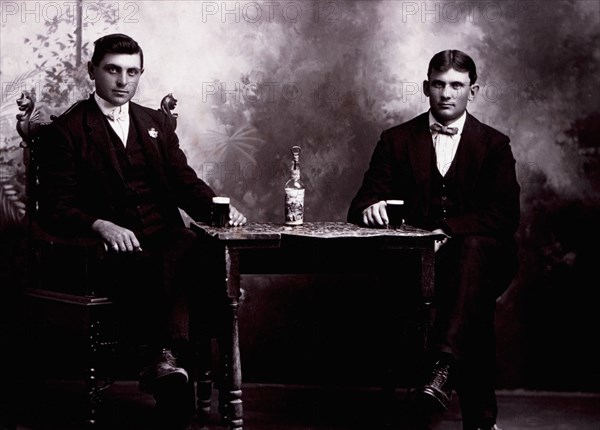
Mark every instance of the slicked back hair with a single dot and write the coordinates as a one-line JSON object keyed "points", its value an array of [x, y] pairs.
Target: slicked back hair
{"points": [[453, 59], [116, 44]]}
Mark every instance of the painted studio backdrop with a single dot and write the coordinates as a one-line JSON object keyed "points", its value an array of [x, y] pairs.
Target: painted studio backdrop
{"points": [[252, 79]]}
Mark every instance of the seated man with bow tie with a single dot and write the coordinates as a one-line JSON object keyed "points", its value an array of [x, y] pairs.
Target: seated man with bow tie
{"points": [[114, 170], [456, 177]]}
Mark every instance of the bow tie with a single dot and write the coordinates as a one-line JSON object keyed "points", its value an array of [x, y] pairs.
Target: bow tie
{"points": [[117, 116], [438, 128]]}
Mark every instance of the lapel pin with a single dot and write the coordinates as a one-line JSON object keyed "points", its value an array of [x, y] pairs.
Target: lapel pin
{"points": [[153, 133]]}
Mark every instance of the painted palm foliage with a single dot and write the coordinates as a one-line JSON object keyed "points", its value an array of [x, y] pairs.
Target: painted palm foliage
{"points": [[12, 188], [240, 144]]}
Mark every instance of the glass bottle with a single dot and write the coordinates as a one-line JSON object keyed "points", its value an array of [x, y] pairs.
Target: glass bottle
{"points": [[294, 192]]}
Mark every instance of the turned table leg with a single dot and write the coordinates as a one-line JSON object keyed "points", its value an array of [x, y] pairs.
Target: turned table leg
{"points": [[233, 368]]}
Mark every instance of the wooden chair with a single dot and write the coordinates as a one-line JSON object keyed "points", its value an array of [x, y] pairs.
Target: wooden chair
{"points": [[75, 303]]}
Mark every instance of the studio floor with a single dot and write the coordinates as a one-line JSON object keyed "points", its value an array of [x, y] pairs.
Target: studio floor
{"points": [[58, 406]]}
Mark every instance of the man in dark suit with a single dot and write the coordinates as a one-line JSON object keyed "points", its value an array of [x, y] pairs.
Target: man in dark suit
{"points": [[113, 169], [456, 177]]}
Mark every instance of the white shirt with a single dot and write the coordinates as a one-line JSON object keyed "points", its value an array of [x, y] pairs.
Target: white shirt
{"points": [[120, 123], [446, 145]]}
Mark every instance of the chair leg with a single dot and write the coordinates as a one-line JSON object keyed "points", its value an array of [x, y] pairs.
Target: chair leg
{"points": [[91, 380], [93, 396]]}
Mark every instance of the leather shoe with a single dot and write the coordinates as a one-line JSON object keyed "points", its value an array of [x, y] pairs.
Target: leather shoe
{"points": [[438, 388], [163, 374]]}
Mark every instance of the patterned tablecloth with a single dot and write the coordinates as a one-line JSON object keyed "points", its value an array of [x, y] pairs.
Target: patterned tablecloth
{"points": [[309, 229]]}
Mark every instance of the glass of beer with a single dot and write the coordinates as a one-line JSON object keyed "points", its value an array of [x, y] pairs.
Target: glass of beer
{"points": [[220, 212], [395, 212]]}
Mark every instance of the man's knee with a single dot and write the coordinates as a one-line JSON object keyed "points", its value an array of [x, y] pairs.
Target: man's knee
{"points": [[497, 259], [183, 236]]}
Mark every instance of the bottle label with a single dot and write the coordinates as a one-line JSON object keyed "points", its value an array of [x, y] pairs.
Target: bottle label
{"points": [[294, 206]]}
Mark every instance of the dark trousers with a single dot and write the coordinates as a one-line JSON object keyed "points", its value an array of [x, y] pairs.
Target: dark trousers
{"points": [[154, 289], [471, 273]]}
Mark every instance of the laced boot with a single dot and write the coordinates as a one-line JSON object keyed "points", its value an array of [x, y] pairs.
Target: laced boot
{"points": [[162, 374]]}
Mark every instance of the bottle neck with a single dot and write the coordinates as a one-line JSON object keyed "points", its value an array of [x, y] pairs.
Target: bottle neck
{"points": [[295, 168]]}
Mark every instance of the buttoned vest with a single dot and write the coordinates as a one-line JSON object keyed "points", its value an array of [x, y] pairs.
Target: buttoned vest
{"points": [[140, 212], [444, 194]]}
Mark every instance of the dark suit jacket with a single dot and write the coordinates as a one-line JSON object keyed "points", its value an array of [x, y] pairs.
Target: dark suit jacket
{"points": [[80, 176], [488, 192]]}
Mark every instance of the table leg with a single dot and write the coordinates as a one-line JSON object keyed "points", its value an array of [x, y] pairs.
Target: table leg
{"points": [[389, 347], [234, 375], [428, 291]]}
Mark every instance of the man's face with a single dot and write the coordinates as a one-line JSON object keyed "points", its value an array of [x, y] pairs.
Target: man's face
{"points": [[449, 92], [117, 77]]}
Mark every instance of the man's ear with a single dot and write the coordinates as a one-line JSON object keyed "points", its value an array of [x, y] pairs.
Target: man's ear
{"points": [[91, 70], [426, 88], [473, 90]]}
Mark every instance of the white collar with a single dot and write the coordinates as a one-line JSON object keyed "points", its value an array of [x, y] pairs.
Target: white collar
{"points": [[459, 123], [108, 108]]}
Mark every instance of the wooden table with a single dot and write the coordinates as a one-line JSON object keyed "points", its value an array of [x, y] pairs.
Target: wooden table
{"points": [[237, 247]]}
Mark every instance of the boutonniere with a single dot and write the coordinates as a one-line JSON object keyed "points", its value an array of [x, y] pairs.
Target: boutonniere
{"points": [[153, 133]]}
